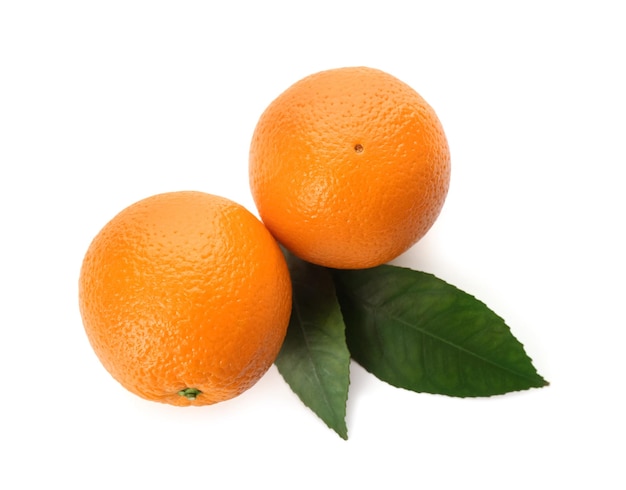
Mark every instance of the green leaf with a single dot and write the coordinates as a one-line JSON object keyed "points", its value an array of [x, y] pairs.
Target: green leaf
{"points": [[418, 332], [314, 359]]}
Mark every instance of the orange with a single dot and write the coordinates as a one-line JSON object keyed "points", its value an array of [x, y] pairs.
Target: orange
{"points": [[185, 298], [349, 167]]}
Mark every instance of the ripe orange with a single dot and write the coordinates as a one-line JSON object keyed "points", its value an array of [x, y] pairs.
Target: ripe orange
{"points": [[185, 298], [349, 167]]}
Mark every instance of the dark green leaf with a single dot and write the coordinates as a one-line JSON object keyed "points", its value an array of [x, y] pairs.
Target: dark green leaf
{"points": [[418, 332], [314, 359]]}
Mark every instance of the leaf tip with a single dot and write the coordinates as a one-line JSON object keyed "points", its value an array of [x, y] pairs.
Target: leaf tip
{"points": [[342, 434]]}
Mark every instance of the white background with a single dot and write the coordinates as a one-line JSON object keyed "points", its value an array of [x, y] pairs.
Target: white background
{"points": [[105, 103]]}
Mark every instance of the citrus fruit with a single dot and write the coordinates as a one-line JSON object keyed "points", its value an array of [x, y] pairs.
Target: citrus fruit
{"points": [[349, 167], [185, 298]]}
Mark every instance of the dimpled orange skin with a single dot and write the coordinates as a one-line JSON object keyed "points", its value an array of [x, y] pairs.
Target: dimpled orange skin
{"points": [[185, 291], [349, 167]]}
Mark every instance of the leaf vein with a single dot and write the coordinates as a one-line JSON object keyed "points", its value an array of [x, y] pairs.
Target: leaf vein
{"points": [[310, 358], [375, 310]]}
